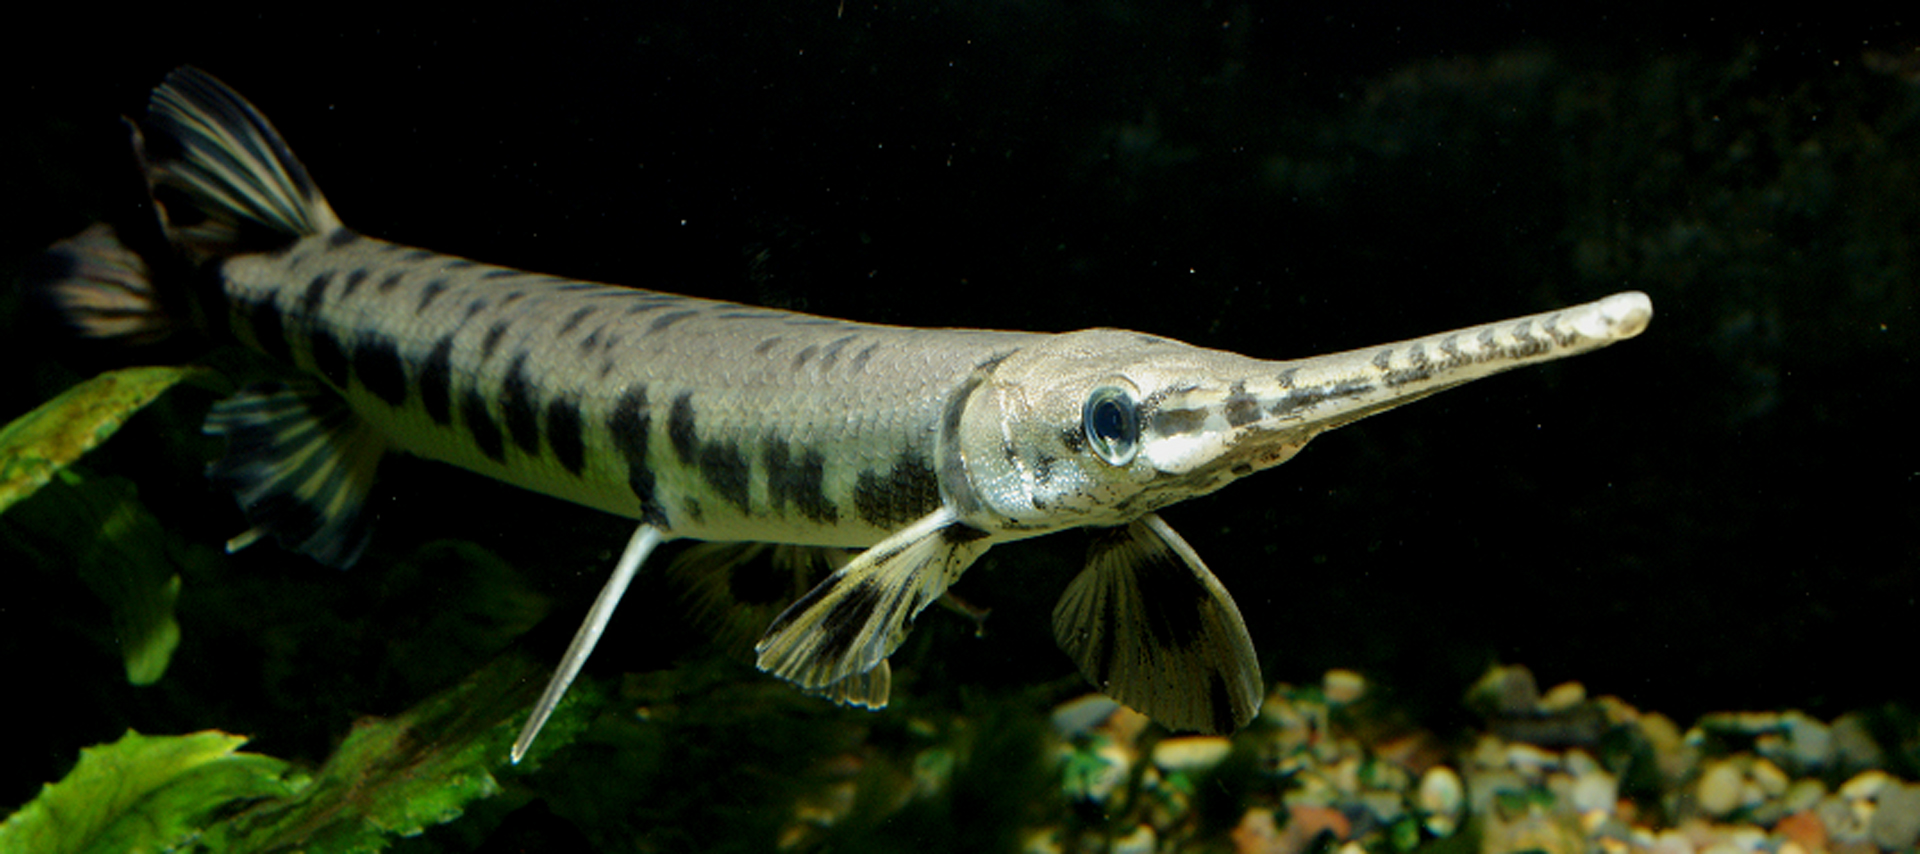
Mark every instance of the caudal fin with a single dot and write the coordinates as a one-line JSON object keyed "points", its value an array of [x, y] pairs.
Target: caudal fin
{"points": [[222, 179]]}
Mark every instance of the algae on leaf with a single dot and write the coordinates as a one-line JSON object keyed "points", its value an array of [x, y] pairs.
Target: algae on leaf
{"points": [[144, 793], [39, 444]]}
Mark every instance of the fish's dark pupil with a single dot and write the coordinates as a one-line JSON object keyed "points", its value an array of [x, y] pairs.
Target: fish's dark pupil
{"points": [[1110, 421]]}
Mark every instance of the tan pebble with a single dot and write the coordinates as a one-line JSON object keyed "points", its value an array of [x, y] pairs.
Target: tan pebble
{"points": [[1596, 792], [1768, 776], [1305, 822], [1792, 847], [1530, 760], [1804, 828], [1671, 842], [1720, 788], [1865, 784], [1896, 824], [1141, 841], [1563, 697], [1191, 753], [1810, 741], [1440, 791], [1343, 686], [1258, 833]]}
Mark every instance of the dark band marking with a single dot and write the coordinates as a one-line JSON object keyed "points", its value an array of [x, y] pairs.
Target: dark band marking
{"points": [[511, 298], [1242, 409], [354, 280], [341, 237], [502, 273], [517, 405], [761, 348], [1166, 422], [960, 532], [831, 355], [486, 434], [564, 434], [1383, 360], [861, 358], [377, 365], [906, 491], [669, 319], [473, 309], [416, 255], [492, 341], [329, 358], [436, 379], [428, 294], [315, 294], [391, 281], [842, 623], [680, 428], [728, 472], [631, 425], [459, 264], [798, 482], [574, 319], [800, 360]]}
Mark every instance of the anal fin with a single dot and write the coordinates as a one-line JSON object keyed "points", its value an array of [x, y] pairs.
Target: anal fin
{"points": [[301, 464], [1150, 626]]}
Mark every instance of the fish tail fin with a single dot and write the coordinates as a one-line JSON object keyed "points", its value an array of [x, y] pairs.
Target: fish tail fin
{"points": [[222, 180]]}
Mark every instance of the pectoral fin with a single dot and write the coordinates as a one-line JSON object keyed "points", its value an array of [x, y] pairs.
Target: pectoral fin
{"points": [[1150, 626], [851, 622]]}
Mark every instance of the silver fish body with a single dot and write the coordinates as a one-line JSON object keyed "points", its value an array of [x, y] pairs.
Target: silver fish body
{"points": [[919, 449]]}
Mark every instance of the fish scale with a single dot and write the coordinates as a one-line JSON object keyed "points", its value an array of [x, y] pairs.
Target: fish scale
{"points": [[915, 449]]}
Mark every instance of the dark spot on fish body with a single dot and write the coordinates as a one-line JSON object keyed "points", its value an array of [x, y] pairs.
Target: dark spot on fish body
{"points": [[391, 281], [1417, 356], [1241, 469], [340, 237], [1242, 409], [329, 358], [761, 348], [725, 468], [1166, 422], [473, 309], [831, 356], [512, 297], [416, 255], [1383, 360], [565, 433], [907, 490], [1074, 439], [436, 381], [354, 280], [630, 426], [501, 273], [574, 319], [486, 434], [681, 428], [861, 358], [517, 405], [798, 482], [492, 342], [805, 355], [315, 294], [377, 365], [1395, 379], [669, 319], [1296, 400], [1286, 377], [591, 340], [459, 264], [428, 294]]}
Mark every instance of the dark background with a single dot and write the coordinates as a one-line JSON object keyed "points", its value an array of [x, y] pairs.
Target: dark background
{"points": [[1717, 515]]}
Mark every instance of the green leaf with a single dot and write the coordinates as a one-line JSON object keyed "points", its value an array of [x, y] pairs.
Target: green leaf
{"points": [[39, 444], [98, 527], [401, 775], [144, 793]]}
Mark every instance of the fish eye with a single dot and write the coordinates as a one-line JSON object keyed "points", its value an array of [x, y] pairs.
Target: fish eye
{"points": [[1112, 424]]}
